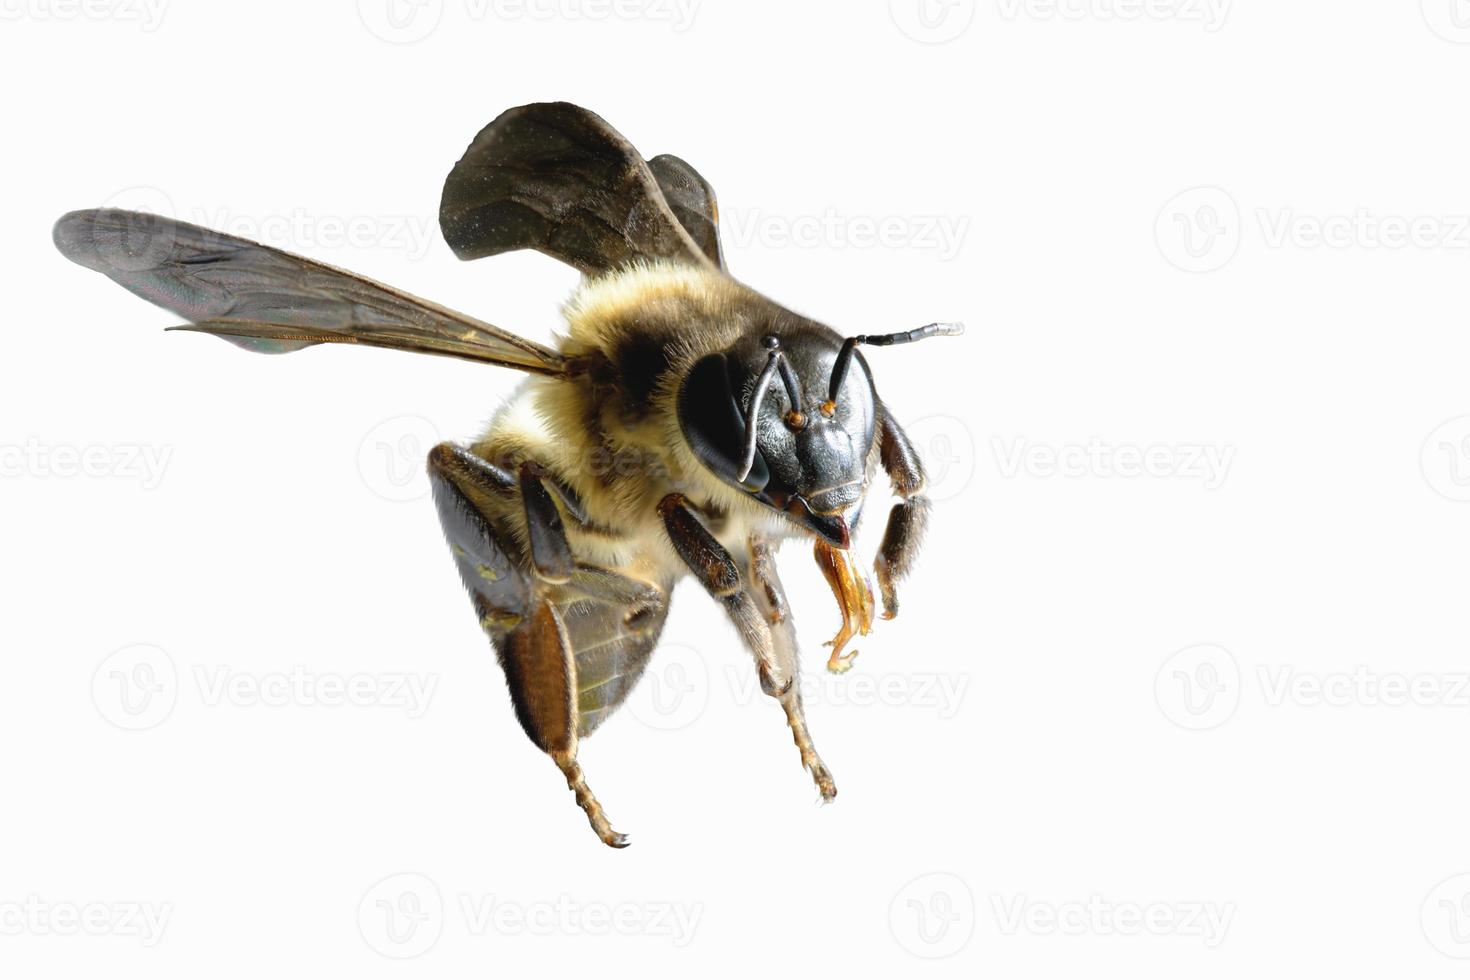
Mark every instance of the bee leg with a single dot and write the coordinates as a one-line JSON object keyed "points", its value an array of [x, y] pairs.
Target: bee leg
{"points": [[720, 576], [541, 672], [771, 597], [516, 610], [908, 518]]}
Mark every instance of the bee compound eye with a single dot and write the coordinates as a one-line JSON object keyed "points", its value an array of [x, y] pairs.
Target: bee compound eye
{"points": [[714, 426]]}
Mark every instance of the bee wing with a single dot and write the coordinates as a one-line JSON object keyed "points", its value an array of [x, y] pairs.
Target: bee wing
{"points": [[556, 178], [274, 302], [692, 200]]}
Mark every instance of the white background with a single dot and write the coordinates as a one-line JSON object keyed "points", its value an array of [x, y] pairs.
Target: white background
{"points": [[1159, 720]]}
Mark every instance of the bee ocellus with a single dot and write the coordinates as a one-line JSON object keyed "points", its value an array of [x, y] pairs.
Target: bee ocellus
{"points": [[684, 424]]}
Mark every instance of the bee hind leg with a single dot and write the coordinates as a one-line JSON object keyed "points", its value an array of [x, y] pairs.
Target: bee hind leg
{"points": [[515, 607]]}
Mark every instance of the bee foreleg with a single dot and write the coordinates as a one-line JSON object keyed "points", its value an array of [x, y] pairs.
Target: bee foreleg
{"points": [[908, 518], [717, 571], [771, 596]]}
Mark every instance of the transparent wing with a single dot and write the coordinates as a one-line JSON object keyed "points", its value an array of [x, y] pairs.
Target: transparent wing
{"points": [[271, 301]]}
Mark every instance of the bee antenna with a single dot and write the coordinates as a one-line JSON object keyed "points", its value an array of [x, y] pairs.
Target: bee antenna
{"points": [[844, 356], [775, 361]]}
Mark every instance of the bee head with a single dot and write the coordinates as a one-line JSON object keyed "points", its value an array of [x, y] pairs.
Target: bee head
{"points": [[788, 417]]}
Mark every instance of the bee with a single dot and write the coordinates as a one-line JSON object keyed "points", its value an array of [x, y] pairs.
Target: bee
{"points": [[684, 425]]}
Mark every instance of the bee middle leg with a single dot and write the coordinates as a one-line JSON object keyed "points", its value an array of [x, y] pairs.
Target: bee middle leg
{"points": [[515, 604], [771, 596], [759, 613]]}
